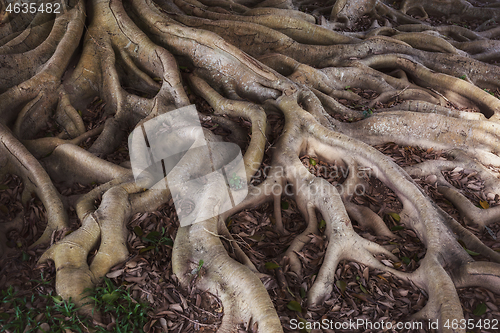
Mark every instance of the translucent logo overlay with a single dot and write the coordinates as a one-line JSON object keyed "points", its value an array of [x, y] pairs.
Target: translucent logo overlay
{"points": [[204, 178]]}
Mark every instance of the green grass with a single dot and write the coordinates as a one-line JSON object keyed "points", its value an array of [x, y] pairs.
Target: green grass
{"points": [[154, 239], [129, 315], [18, 314]]}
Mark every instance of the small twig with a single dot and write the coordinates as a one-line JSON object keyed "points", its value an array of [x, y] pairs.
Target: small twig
{"points": [[196, 322], [446, 99], [220, 236], [229, 240], [402, 91], [246, 244], [205, 311]]}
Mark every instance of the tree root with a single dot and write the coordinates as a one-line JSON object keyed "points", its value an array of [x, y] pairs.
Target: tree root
{"points": [[223, 276], [16, 159], [316, 79]]}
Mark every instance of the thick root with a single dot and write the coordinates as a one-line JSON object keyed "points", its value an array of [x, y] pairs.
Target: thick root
{"points": [[253, 63]]}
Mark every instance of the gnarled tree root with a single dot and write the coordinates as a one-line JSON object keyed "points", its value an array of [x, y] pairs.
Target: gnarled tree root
{"points": [[130, 57]]}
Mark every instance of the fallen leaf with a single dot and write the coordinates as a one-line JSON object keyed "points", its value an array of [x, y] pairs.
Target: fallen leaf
{"points": [[484, 204], [395, 216], [342, 285], [480, 309], [115, 274], [271, 265], [294, 306]]}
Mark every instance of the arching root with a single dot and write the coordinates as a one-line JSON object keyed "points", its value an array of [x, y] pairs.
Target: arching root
{"points": [[130, 58], [244, 297]]}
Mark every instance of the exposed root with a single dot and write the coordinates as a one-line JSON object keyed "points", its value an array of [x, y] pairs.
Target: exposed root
{"points": [[223, 276], [335, 92], [16, 159], [367, 218]]}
